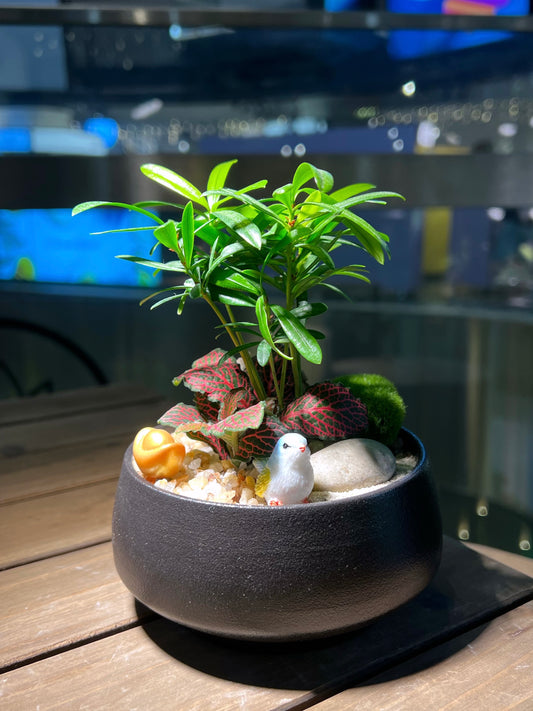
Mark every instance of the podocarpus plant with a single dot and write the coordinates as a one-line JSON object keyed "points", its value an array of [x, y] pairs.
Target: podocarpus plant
{"points": [[264, 255]]}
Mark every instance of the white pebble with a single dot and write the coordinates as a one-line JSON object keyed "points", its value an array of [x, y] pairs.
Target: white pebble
{"points": [[352, 464]]}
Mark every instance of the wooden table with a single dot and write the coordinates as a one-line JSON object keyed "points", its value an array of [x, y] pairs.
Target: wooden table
{"points": [[72, 637]]}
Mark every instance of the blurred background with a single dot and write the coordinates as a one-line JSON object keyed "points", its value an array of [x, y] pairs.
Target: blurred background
{"points": [[430, 99]]}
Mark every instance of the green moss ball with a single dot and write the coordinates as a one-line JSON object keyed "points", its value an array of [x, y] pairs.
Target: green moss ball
{"points": [[386, 408]]}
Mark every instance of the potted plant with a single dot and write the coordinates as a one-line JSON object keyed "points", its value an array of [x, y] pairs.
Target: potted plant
{"points": [[193, 536]]}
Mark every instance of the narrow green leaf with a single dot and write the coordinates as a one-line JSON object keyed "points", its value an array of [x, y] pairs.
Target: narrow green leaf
{"points": [[157, 293], [285, 195], [258, 185], [229, 278], [367, 197], [319, 252], [169, 179], [166, 235], [306, 345], [173, 266], [151, 228], [224, 255], [264, 351], [181, 304], [187, 233], [262, 315], [346, 271], [367, 235], [238, 350], [84, 206], [323, 179], [233, 298], [248, 231], [302, 175], [350, 190], [217, 179], [248, 200], [165, 300], [158, 203], [307, 310]]}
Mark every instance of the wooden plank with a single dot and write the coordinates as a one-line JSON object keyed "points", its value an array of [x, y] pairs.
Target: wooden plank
{"points": [[71, 402], [512, 560], [131, 670], [163, 665], [468, 591], [28, 437], [49, 525], [63, 468], [55, 603], [491, 666]]}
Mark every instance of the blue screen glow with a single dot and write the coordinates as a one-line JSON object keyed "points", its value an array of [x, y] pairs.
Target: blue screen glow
{"points": [[53, 246]]}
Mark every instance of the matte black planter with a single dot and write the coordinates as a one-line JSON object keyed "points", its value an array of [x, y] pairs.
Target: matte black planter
{"points": [[283, 572]]}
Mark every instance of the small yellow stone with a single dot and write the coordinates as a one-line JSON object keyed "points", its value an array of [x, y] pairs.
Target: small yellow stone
{"points": [[157, 454]]}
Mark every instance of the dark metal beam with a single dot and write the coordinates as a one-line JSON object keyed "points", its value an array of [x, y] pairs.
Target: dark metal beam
{"points": [[163, 16], [482, 180]]}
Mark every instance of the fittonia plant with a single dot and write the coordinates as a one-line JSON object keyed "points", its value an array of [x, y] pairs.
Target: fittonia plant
{"points": [[265, 256]]}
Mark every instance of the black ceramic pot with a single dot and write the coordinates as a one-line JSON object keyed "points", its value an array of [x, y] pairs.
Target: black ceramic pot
{"points": [[283, 572]]}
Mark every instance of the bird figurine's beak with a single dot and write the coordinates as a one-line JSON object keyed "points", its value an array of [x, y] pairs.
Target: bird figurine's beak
{"points": [[302, 449]]}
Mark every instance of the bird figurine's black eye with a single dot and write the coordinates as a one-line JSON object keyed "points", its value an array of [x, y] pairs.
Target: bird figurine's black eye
{"points": [[285, 445]]}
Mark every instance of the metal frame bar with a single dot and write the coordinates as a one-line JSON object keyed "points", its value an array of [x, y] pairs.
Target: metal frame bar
{"points": [[165, 15]]}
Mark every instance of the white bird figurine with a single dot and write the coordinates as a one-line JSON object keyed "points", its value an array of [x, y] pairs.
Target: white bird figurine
{"points": [[288, 476]]}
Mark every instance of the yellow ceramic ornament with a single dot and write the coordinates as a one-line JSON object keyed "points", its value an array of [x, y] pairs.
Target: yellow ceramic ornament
{"points": [[157, 454]]}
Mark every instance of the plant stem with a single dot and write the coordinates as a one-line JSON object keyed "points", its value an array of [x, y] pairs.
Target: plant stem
{"points": [[297, 372], [238, 342], [296, 363], [279, 391], [247, 358]]}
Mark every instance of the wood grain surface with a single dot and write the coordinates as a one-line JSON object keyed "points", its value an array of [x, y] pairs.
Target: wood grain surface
{"points": [[49, 525], [72, 636], [492, 669], [62, 600]]}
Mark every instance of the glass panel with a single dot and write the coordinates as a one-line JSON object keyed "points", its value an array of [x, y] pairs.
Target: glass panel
{"points": [[211, 90], [52, 246]]}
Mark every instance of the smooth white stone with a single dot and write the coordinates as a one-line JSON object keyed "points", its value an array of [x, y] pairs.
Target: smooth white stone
{"points": [[352, 464]]}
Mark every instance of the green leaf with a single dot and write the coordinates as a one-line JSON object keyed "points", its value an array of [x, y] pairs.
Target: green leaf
{"points": [[217, 179], [232, 298], [187, 233], [231, 279], [224, 255], [367, 197], [285, 195], [264, 352], [307, 310], [319, 252], [158, 203], [367, 235], [248, 231], [306, 345], [151, 228], [166, 300], [262, 315], [173, 266], [305, 171], [249, 200], [84, 206], [169, 179], [166, 235], [240, 349], [156, 293], [350, 190]]}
